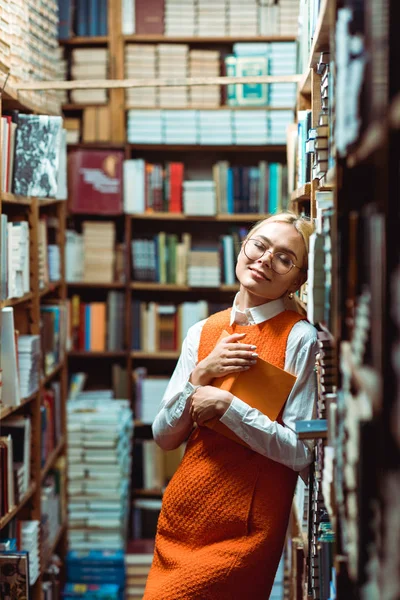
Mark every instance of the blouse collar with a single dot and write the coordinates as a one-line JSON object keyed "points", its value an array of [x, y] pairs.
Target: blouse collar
{"points": [[256, 315]]}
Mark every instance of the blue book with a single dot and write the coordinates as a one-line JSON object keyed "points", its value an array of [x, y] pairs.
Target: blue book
{"points": [[94, 18], [82, 591], [229, 192], [87, 327], [273, 188], [103, 16], [82, 17], [96, 558], [65, 19]]}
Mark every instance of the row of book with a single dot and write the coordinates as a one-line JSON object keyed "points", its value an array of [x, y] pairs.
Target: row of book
{"points": [[154, 467], [165, 259], [52, 493], [93, 126], [15, 452], [103, 258], [20, 558], [158, 327], [89, 63], [96, 326], [29, 49], [15, 258], [100, 430], [24, 358], [168, 61], [50, 420], [34, 155], [82, 17], [204, 18], [49, 256], [308, 13], [233, 189], [208, 127]]}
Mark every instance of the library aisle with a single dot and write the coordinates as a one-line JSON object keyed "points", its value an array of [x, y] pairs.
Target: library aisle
{"points": [[126, 195]]}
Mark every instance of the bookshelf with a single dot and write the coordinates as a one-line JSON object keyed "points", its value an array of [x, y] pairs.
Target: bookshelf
{"points": [[27, 319], [341, 512]]}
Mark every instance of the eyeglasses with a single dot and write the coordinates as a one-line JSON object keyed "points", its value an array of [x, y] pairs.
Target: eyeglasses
{"points": [[281, 263]]}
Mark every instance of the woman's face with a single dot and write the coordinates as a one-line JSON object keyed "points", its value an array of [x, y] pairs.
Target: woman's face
{"points": [[256, 275]]}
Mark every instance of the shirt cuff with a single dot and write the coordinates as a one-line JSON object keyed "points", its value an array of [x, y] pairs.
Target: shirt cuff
{"points": [[178, 406], [235, 412]]}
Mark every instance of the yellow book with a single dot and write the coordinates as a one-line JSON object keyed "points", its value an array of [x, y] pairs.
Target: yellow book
{"points": [[264, 387]]}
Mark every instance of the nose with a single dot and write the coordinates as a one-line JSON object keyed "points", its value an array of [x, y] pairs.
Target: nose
{"points": [[266, 258]]}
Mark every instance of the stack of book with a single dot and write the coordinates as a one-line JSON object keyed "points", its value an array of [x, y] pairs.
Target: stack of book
{"points": [[180, 127], [211, 18], [96, 326], [204, 267], [29, 357], [100, 431], [173, 63], [98, 251], [250, 128], [51, 415], [97, 567], [31, 48], [138, 559], [91, 591], [141, 63], [282, 61], [199, 198], [89, 63], [50, 502], [242, 18], [16, 252], [15, 480], [29, 535], [204, 63], [149, 392], [180, 18], [278, 123], [145, 126], [177, 320], [73, 255], [288, 16], [215, 127]]}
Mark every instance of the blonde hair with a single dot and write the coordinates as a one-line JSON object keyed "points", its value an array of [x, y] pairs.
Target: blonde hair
{"points": [[305, 228]]}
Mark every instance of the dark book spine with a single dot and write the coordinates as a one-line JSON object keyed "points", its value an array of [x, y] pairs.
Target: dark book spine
{"points": [[103, 17], [65, 19], [82, 17]]}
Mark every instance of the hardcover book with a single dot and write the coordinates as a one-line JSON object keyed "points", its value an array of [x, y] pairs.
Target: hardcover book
{"points": [[95, 181], [37, 155], [14, 575]]}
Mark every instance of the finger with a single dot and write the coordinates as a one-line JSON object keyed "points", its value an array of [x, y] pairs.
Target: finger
{"points": [[239, 362], [235, 347], [234, 369], [249, 355]]}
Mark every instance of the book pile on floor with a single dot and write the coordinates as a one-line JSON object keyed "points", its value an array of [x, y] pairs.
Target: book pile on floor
{"points": [[95, 574], [29, 357], [100, 431]]}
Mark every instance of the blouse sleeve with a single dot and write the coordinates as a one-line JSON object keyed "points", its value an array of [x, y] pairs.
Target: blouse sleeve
{"points": [[173, 422], [269, 438]]}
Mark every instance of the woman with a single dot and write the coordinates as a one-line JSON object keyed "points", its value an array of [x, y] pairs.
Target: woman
{"points": [[225, 512]]}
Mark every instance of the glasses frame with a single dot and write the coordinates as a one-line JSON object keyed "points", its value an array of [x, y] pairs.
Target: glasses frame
{"points": [[272, 256]]}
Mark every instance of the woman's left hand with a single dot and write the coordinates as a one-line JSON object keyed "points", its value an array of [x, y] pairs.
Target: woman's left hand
{"points": [[208, 402]]}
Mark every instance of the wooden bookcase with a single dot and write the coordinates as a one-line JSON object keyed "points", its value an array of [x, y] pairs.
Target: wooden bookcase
{"points": [[27, 321], [365, 277]]}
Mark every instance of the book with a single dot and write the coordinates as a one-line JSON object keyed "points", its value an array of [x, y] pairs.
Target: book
{"points": [[14, 575], [247, 385]]}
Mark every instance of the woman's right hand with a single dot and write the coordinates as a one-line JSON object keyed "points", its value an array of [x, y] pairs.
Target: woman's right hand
{"points": [[228, 356]]}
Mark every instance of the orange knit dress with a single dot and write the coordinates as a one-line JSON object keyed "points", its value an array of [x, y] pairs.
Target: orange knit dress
{"points": [[225, 512]]}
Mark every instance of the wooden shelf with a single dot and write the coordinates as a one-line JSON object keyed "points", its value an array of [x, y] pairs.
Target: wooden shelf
{"points": [[15, 510], [7, 198], [222, 218], [51, 459], [270, 148], [162, 355], [94, 40], [302, 193], [328, 182], [48, 201], [6, 411], [320, 43], [174, 287], [116, 285], [88, 354], [51, 287], [62, 529], [47, 378], [97, 145], [155, 39], [16, 301]]}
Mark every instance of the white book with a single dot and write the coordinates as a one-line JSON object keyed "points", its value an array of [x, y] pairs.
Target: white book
{"points": [[10, 386], [128, 17]]}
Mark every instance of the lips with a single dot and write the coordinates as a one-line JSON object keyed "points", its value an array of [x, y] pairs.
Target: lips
{"points": [[259, 273]]}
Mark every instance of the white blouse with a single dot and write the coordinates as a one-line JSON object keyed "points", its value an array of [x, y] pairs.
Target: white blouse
{"points": [[173, 423]]}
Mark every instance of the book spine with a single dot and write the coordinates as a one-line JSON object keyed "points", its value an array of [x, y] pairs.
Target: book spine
{"points": [[82, 13], [94, 17], [103, 17]]}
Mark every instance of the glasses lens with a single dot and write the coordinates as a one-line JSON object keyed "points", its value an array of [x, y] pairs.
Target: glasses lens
{"points": [[254, 249], [281, 263]]}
